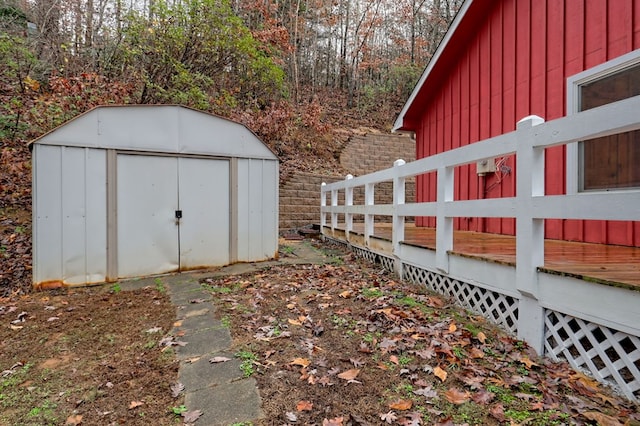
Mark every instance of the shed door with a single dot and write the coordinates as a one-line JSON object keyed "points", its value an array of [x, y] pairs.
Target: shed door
{"points": [[151, 192], [204, 203]]}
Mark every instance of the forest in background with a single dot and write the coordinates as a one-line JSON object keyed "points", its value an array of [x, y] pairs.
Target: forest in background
{"points": [[301, 74]]}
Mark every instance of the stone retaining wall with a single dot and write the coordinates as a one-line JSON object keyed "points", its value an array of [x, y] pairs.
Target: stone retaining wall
{"points": [[300, 193]]}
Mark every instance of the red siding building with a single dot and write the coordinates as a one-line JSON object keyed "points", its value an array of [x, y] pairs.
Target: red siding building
{"points": [[503, 60]]}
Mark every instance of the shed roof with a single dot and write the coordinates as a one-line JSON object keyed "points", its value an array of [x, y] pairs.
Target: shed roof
{"points": [[463, 28], [158, 128]]}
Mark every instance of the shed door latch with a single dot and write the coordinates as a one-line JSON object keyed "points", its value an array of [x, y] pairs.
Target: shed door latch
{"points": [[178, 214]]}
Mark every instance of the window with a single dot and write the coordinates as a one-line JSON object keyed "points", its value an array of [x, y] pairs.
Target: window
{"points": [[611, 162]]}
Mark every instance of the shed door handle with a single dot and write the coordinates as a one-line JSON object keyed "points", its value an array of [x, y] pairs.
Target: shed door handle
{"points": [[178, 214]]}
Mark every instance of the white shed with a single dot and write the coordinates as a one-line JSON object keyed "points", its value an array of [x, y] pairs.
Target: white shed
{"points": [[129, 191]]}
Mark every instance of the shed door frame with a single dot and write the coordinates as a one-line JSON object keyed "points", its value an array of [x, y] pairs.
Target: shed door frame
{"points": [[112, 203]]}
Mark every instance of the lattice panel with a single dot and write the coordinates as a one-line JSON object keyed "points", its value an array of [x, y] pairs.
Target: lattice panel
{"points": [[499, 308], [366, 254], [387, 263], [610, 355], [340, 243]]}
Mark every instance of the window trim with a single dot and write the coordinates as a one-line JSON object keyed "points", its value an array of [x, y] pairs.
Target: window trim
{"points": [[573, 101]]}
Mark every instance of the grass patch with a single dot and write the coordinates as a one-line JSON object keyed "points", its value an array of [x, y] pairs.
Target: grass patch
{"points": [[247, 366]]}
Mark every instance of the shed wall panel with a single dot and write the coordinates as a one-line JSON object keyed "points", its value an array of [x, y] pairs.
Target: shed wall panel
{"points": [[244, 234], [70, 215], [47, 211], [516, 64], [83, 215], [96, 215], [73, 213], [270, 204], [257, 209]]}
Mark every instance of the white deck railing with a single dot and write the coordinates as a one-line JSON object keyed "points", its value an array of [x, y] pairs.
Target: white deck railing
{"points": [[530, 207]]}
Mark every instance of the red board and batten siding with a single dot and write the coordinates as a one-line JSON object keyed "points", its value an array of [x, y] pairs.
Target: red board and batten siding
{"points": [[506, 60]]}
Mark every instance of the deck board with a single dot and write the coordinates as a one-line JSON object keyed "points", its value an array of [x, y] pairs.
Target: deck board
{"points": [[606, 264]]}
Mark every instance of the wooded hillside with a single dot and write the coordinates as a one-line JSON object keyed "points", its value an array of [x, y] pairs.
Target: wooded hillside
{"points": [[299, 73]]}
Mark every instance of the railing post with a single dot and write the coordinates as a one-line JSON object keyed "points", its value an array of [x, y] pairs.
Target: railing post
{"points": [[368, 218], [323, 203], [529, 233], [334, 203], [398, 221], [444, 224], [348, 201]]}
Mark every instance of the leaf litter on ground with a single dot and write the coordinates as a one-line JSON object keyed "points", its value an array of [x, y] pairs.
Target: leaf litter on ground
{"points": [[387, 347]]}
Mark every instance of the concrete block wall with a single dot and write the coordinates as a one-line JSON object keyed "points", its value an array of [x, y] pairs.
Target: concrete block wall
{"points": [[376, 151], [300, 193], [300, 199]]}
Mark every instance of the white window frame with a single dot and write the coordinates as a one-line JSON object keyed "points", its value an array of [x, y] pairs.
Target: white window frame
{"points": [[573, 103]]}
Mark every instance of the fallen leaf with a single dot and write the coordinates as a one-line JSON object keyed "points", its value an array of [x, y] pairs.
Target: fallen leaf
{"points": [[456, 396], [302, 362], [191, 416], [218, 359], [74, 420], [402, 405], [349, 374], [606, 398], [476, 353], [153, 330], [325, 381], [602, 419], [526, 361], [482, 397], [356, 362], [481, 337], [497, 411], [389, 417], [440, 373], [584, 385], [345, 294], [364, 348], [293, 322], [427, 392], [394, 359], [304, 406], [412, 419], [452, 327], [135, 404], [338, 421], [176, 389], [291, 417], [435, 302]]}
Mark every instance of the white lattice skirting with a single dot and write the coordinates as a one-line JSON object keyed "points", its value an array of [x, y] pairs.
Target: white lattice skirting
{"points": [[609, 355], [499, 308]]}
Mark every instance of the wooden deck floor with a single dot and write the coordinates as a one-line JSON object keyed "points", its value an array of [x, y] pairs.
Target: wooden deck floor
{"points": [[606, 264]]}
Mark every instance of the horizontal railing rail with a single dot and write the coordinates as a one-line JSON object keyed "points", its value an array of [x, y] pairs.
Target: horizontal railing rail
{"points": [[530, 206]]}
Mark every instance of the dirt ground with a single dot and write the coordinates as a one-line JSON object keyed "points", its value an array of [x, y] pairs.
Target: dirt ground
{"points": [[345, 343], [342, 343], [89, 357]]}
